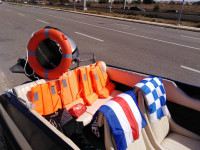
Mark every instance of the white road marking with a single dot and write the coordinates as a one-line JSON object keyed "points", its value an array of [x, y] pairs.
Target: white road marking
{"points": [[122, 32], [190, 37], [89, 36], [141, 36], [191, 69], [20, 14], [42, 21]]}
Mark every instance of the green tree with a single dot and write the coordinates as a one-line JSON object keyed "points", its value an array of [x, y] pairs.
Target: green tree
{"points": [[62, 1], [156, 8]]}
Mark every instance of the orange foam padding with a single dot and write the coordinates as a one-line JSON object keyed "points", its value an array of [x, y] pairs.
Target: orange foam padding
{"points": [[74, 84], [54, 87], [91, 98], [96, 81], [110, 87], [36, 98], [86, 84], [103, 71], [65, 94], [88, 72], [102, 85], [47, 99]]}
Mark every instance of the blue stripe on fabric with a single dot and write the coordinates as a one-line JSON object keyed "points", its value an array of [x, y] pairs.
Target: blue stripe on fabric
{"points": [[132, 94], [53, 91], [144, 81], [162, 89], [96, 77], [160, 113], [64, 82], [151, 77], [46, 73], [154, 83], [66, 55], [32, 53], [102, 69], [46, 32], [152, 108], [160, 79], [162, 101], [85, 77], [146, 89], [155, 95], [36, 97], [115, 127]]}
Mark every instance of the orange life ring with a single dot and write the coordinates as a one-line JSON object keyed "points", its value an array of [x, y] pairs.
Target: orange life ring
{"points": [[62, 40]]}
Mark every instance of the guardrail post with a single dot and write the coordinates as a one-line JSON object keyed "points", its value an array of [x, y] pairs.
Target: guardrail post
{"points": [[74, 5], [179, 19], [111, 4]]}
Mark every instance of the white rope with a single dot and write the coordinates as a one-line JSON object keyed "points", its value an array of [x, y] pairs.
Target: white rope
{"points": [[33, 73]]}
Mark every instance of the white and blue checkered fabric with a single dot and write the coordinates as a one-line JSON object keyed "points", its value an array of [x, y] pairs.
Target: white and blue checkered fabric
{"points": [[155, 97]]}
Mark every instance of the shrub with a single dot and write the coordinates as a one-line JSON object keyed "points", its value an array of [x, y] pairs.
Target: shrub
{"points": [[118, 1], [156, 8], [136, 2], [88, 4], [151, 15], [103, 1]]}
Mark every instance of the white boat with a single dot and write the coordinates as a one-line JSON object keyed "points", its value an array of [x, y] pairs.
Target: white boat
{"points": [[25, 127]]}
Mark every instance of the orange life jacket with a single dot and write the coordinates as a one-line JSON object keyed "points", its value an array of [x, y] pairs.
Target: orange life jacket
{"points": [[36, 98], [102, 85], [74, 84], [54, 87], [104, 73], [46, 97], [86, 84], [70, 88], [66, 95]]}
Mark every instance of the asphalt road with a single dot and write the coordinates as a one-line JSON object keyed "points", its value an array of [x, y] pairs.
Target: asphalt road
{"points": [[155, 50]]}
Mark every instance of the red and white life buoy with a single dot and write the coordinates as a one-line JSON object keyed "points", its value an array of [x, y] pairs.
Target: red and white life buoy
{"points": [[61, 39]]}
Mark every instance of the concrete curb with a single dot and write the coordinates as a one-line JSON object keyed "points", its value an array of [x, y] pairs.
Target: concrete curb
{"points": [[187, 28]]}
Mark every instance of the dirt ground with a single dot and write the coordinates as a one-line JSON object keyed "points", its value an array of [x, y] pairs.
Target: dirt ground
{"points": [[97, 8]]}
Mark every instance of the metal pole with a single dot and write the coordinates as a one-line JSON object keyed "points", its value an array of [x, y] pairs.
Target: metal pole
{"points": [[74, 5], [110, 5], [124, 4], [179, 19], [84, 5]]}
